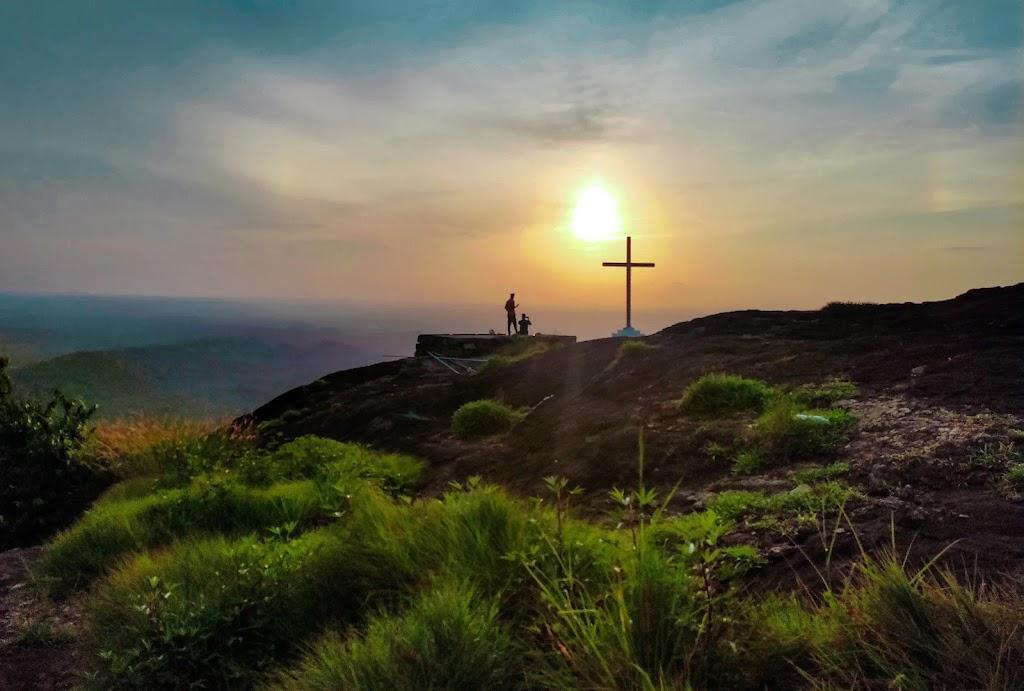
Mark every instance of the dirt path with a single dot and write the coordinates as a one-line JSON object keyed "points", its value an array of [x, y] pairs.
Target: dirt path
{"points": [[36, 637]]}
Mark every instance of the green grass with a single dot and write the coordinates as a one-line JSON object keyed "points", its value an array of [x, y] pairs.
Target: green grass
{"points": [[484, 418], [448, 638], [831, 471], [315, 575], [634, 347], [519, 350], [803, 504], [296, 486], [786, 431], [114, 529], [723, 394], [825, 394], [1014, 478]]}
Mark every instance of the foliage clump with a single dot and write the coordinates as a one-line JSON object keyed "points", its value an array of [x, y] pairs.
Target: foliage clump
{"points": [[786, 431], [484, 418], [44, 484], [723, 394]]}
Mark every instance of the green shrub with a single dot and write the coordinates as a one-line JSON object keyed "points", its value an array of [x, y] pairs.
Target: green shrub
{"points": [[633, 347], [448, 639], [723, 394], [785, 431], [484, 418], [43, 483], [825, 394]]}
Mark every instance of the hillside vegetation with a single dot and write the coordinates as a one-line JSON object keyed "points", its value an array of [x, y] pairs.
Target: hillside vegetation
{"points": [[308, 567]]}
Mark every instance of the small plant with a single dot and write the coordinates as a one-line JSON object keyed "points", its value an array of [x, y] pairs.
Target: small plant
{"points": [[484, 418], [748, 463], [722, 394], [715, 451], [634, 347], [999, 456]]}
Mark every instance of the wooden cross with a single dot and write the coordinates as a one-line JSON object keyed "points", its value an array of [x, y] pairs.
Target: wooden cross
{"points": [[629, 264]]}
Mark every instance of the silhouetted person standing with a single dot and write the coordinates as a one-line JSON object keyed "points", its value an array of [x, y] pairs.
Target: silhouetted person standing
{"points": [[510, 310]]}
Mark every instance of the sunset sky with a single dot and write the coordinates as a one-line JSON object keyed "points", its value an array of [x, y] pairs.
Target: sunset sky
{"points": [[764, 153]]}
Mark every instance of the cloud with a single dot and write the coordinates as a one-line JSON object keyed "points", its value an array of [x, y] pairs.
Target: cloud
{"points": [[390, 132]]}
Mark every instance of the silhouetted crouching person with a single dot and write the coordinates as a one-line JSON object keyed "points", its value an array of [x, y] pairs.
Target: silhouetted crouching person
{"points": [[510, 310], [524, 325]]}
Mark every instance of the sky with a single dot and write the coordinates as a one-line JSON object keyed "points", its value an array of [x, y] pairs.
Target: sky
{"points": [[764, 153]]}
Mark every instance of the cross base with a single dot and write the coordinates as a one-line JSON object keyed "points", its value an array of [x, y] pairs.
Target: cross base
{"points": [[627, 332]]}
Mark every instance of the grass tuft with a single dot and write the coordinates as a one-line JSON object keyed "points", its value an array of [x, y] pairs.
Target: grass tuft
{"points": [[723, 394], [448, 638], [484, 418], [786, 431]]}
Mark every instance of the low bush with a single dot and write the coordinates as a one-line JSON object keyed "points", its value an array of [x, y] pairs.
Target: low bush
{"points": [[723, 394], [786, 431], [484, 418], [210, 613], [449, 638], [43, 484]]}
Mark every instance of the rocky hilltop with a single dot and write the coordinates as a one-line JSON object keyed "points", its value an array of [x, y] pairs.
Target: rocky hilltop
{"points": [[939, 399]]}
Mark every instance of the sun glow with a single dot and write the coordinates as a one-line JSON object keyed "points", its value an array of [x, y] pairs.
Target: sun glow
{"points": [[596, 215]]}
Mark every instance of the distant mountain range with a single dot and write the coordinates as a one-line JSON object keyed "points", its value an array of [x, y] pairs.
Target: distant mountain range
{"points": [[200, 378]]}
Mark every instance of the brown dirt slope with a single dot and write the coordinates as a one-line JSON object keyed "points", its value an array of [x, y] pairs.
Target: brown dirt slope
{"points": [[941, 393]]}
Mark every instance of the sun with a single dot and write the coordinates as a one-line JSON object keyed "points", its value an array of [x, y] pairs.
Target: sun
{"points": [[596, 215]]}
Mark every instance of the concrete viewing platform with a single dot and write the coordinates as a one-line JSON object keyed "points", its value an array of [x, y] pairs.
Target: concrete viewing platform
{"points": [[477, 345]]}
